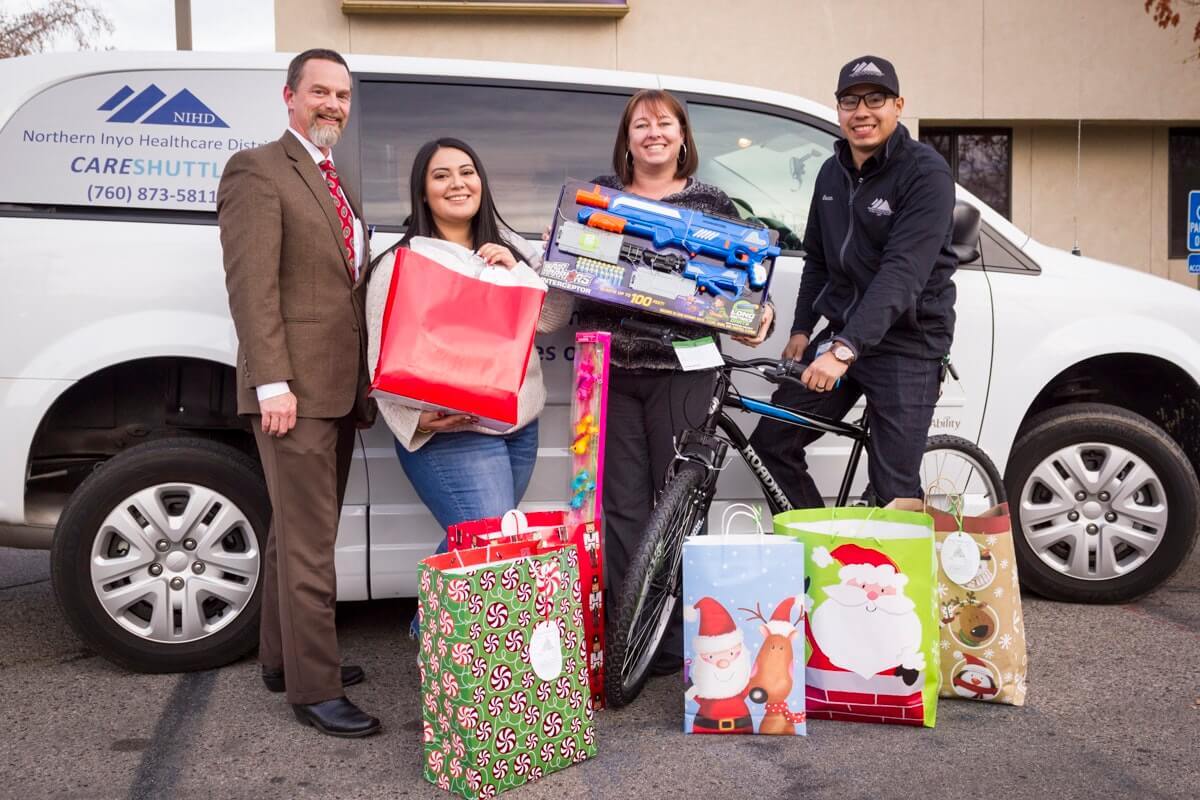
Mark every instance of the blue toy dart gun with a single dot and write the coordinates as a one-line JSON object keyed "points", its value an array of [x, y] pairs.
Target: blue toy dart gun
{"points": [[742, 248]]}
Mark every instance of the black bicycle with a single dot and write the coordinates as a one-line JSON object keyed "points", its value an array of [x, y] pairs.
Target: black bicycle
{"points": [[643, 607]]}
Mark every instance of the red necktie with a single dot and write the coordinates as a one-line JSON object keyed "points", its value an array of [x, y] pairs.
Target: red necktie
{"points": [[343, 210]]}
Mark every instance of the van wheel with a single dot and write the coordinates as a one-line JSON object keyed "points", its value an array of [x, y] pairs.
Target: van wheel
{"points": [[1105, 505], [156, 559]]}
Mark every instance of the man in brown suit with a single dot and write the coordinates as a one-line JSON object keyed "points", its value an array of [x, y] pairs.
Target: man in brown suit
{"points": [[295, 257]]}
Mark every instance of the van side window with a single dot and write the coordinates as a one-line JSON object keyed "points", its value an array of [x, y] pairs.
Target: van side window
{"points": [[529, 139], [767, 164]]}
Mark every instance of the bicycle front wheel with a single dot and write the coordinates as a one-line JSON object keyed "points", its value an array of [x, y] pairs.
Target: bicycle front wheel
{"points": [[958, 477], [647, 599]]}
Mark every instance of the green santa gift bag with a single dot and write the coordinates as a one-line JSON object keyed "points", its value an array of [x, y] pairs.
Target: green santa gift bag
{"points": [[872, 614], [504, 681]]}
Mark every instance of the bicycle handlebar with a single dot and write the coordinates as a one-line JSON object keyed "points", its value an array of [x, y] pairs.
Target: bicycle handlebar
{"points": [[772, 369]]}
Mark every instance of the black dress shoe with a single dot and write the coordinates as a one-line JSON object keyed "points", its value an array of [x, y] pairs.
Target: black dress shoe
{"points": [[337, 717], [274, 681]]}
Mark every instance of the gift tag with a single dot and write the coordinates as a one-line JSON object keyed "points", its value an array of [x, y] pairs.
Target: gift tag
{"points": [[698, 354], [960, 558], [545, 650]]}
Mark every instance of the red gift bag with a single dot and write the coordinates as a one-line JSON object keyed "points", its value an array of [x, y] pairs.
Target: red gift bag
{"points": [[548, 530], [456, 334]]}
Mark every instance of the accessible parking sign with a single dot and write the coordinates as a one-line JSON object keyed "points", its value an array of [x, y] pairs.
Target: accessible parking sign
{"points": [[1193, 232], [1193, 228]]}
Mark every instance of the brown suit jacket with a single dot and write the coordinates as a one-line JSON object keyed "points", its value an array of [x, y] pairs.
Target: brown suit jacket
{"points": [[298, 317]]}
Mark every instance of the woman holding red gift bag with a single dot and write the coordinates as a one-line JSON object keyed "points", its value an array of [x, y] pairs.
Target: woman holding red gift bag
{"points": [[460, 470]]}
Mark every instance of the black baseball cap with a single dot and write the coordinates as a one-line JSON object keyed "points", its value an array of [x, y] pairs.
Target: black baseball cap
{"points": [[868, 69]]}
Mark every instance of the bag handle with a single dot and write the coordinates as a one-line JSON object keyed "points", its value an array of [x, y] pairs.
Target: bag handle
{"points": [[955, 505], [857, 537], [741, 510]]}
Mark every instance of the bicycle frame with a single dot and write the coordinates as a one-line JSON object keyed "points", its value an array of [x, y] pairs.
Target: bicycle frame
{"points": [[704, 446]]}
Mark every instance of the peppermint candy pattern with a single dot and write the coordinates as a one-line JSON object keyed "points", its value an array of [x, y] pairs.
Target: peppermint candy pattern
{"points": [[458, 590], [477, 683], [506, 740], [497, 615], [462, 653], [510, 578], [501, 679], [468, 717]]}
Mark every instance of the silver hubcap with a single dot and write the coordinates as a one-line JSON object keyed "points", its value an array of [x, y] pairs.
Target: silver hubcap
{"points": [[1093, 511], [168, 592]]}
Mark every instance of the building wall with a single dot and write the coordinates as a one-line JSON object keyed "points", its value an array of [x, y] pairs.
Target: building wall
{"points": [[1035, 65]]}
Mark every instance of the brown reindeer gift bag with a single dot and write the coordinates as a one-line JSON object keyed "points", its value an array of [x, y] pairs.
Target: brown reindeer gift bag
{"points": [[983, 631], [743, 632]]}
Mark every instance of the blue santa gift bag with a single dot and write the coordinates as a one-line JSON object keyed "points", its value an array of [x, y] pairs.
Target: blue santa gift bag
{"points": [[743, 634]]}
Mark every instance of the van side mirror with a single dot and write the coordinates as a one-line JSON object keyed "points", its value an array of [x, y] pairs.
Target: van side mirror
{"points": [[964, 240]]}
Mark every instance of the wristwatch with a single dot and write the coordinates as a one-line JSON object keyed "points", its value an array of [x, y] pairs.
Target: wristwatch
{"points": [[843, 353]]}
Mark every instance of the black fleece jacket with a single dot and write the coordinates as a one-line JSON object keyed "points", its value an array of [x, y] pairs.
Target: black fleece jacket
{"points": [[878, 261]]}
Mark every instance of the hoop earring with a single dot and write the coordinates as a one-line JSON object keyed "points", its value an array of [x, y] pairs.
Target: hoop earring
{"points": [[683, 153], [629, 158]]}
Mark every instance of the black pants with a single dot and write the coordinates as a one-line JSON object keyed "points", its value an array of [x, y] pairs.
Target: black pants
{"points": [[901, 393], [646, 411]]}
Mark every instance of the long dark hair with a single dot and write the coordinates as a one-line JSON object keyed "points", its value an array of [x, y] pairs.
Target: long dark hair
{"points": [[487, 225]]}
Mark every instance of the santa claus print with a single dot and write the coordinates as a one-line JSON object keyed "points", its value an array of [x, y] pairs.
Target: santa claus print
{"points": [[866, 625], [720, 675]]}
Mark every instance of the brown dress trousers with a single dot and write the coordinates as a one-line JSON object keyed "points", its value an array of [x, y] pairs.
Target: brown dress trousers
{"points": [[299, 318]]}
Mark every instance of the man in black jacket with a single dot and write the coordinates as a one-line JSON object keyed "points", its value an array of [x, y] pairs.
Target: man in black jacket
{"points": [[878, 268]]}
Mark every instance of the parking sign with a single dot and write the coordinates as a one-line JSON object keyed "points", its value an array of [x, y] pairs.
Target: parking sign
{"points": [[1193, 228], [1194, 263]]}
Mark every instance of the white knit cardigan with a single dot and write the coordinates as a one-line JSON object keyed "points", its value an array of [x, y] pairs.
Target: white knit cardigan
{"points": [[402, 419]]}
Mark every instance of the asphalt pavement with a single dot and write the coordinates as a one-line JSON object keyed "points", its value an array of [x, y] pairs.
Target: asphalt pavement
{"points": [[1113, 712]]}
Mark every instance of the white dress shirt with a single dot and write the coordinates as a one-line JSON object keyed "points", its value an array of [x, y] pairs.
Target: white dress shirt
{"points": [[277, 388]]}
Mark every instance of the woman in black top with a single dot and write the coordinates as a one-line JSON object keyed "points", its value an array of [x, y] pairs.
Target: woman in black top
{"points": [[650, 398]]}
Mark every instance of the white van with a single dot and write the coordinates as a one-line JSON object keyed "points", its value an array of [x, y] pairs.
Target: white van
{"points": [[118, 436]]}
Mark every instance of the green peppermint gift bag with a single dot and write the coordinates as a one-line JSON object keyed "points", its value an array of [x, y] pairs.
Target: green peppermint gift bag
{"points": [[872, 614], [504, 683]]}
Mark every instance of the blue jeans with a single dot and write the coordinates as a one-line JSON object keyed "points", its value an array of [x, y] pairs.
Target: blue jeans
{"points": [[901, 394], [465, 476]]}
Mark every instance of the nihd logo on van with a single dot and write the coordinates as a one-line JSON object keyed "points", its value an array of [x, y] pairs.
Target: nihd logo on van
{"points": [[182, 109]]}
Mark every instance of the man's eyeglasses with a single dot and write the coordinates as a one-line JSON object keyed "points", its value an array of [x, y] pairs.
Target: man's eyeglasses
{"points": [[849, 102]]}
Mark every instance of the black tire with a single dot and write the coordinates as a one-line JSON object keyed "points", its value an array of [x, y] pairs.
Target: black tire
{"points": [[185, 462], [647, 600], [1078, 425], [986, 479]]}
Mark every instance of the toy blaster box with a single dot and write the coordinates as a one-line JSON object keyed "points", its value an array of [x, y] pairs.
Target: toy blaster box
{"points": [[651, 256]]}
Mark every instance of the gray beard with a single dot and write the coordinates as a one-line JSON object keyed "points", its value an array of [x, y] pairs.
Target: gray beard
{"points": [[324, 135]]}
